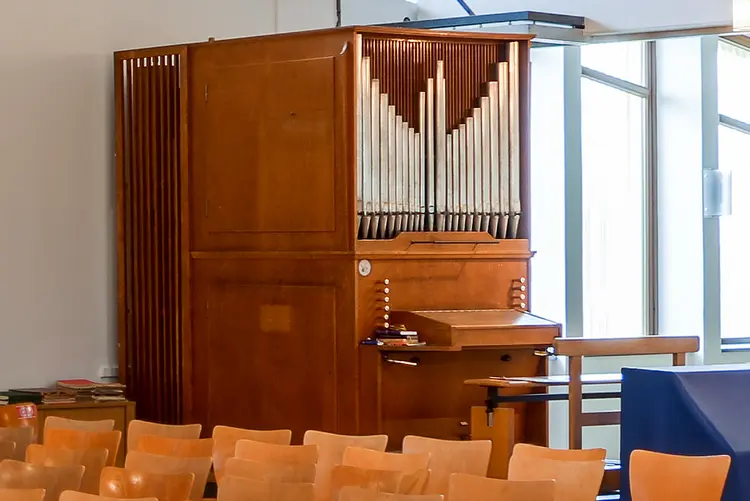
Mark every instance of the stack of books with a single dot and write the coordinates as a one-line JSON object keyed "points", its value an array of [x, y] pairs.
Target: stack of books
{"points": [[40, 396], [397, 337], [4, 399], [85, 389]]}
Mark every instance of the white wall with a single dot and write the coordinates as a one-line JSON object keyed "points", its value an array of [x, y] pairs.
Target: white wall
{"points": [[358, 12], [604, 16], [57, 266]]}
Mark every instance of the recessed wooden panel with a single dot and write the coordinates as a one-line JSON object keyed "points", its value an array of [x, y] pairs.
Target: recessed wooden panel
{"points": [[269, 171], [260, 376], [270, 149]]}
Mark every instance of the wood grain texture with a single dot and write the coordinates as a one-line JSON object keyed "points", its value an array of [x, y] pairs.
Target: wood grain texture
{"points": [[240, 301]]}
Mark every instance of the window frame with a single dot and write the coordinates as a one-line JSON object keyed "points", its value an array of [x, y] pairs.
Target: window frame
{"points": [[575, 72], [718, 348]]}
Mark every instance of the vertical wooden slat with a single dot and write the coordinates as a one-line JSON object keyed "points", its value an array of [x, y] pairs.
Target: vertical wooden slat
{"points": [[161, 234], [184, 343], [120, 194], [170, 228]]}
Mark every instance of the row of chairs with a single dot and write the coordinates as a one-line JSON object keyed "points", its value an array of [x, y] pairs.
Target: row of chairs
{"points": [[170, 463]]}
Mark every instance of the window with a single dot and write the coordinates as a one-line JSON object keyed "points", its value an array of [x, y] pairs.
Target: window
{"points": [[615, 225], [733, 64]]}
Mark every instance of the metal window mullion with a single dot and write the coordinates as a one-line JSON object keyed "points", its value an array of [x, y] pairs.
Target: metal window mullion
{"points": [[573, 192], [734, 124], [614, 82], [651, 195]]}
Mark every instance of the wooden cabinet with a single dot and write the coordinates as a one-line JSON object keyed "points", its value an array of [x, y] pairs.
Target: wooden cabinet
{"points": [[121, 412], [248, 273]]}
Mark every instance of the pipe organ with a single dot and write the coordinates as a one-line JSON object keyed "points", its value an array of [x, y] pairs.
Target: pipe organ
{"points": [[280, 198], [438, 147]]}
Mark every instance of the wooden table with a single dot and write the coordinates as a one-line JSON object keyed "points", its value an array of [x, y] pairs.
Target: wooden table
{"points": [[121, 412], [496, 421]]}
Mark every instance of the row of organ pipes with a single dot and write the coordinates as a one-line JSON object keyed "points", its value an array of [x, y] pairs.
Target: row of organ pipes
{"points": [[425, 177]]}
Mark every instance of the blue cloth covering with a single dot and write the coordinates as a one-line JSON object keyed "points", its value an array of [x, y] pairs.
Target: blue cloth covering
{"points": [[701, 410]]}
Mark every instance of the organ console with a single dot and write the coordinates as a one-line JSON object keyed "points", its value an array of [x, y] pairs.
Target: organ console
{"points": [[281, 197]]}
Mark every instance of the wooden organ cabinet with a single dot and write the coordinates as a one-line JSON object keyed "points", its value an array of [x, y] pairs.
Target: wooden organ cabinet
{"points": [[280, 197]]}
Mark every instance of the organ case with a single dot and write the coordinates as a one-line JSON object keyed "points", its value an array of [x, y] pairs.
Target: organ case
{"points": [[270, 189]]}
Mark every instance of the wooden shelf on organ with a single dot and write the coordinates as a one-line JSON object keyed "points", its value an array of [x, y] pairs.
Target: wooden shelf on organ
{"points": [[485, 328]]}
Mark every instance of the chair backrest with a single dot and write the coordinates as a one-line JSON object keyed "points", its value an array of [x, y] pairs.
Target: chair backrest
{"points": [[80, 496], [94, 460], [331, 449], [126, 483], [281, 472], [574, 480], [577, 348], [656, 477], [226, 438], [76, 424], [22, 415], [178, 447], [54, 480], [61, 438], [22, 437], [7, 450], [167, 465], [354, 493], [462, 487], [261, 451], [448, 457], [376, 460], [392, 481], [537, 451], [243, 489], [21, 494], [137, 428]]}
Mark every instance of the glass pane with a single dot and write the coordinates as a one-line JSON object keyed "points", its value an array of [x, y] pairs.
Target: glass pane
{"points": [[624, 60], [613, 212], [734, 78], [734, 156]]}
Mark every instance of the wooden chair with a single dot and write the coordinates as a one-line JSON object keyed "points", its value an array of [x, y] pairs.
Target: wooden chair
{"points": [[244, 489], [274, 453], [80, 496], [280, 472], [167, 465], [23, 415], [21, 494], [54, 480], [536, 451], [331, 449], [61, 438], [226, 438], [658, 477], [94, 460], [392, 481], [21, 436], [449, 456], [7, 450], [76, 424], [376, 460], [462, 487], [177, 447], [123, 483], [574, 480], [577, 348], [138, 428], [353, 493]]}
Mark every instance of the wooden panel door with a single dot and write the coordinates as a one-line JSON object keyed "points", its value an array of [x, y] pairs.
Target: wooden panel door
{"points": [[270, 154], [270, 340]]}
